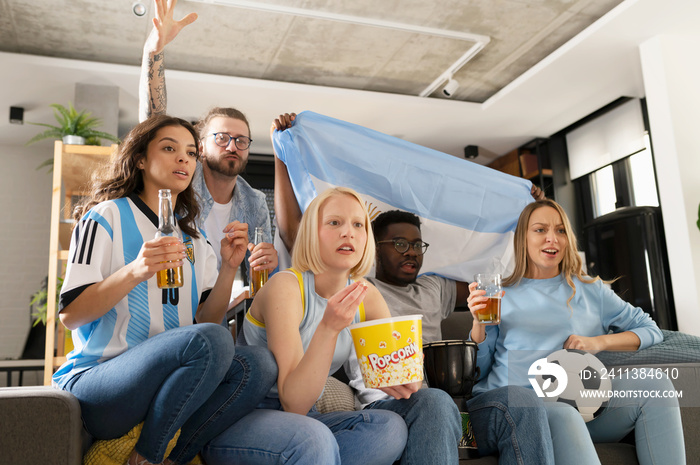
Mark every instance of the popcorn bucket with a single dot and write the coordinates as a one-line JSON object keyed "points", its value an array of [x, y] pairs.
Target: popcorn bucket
{"points": [[389, 350]]}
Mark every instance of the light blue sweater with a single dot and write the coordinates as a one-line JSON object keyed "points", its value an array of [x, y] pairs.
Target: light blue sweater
{"points": [[536, 321]]}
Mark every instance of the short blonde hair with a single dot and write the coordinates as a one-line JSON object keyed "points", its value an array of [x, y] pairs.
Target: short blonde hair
{"points": [[306, 253]]}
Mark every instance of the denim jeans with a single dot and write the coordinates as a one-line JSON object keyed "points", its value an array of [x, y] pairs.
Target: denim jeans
{"points": [[190, 378], [656, 423], [269, 436], [512, 422], [434, 426]]}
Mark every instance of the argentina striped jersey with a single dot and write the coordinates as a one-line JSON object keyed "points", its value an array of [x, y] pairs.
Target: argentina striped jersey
{"points": [[107, 238]]}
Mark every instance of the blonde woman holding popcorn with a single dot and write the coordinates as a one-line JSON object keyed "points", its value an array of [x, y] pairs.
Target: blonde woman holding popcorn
{"points": [[302, 315]]}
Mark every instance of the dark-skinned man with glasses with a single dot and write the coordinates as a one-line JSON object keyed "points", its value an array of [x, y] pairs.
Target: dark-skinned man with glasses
{"points": [[519, 435], [225, 144]]}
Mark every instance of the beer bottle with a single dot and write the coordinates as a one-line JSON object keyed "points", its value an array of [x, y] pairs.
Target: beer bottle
{"points": [[166, 227], [258, 278]]}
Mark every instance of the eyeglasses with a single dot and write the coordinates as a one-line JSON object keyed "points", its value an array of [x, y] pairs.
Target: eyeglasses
{"points": [[222, 139], [402, 245]]}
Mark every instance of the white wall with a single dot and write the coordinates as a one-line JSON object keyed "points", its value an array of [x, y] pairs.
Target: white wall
{"points": [[25, 199], [670, 68]]}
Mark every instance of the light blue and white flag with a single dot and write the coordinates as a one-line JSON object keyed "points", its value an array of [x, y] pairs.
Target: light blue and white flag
{"points": [[468, 211]]}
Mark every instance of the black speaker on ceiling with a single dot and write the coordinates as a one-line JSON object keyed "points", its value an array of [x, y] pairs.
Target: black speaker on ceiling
{"points": [[16, 115], [471, 151]]}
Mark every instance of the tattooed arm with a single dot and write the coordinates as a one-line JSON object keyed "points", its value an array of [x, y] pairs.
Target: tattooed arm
{"points": [[153, 99]]}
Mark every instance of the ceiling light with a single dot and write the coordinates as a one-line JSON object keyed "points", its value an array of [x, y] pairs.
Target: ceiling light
{"points": [[139, 9], [450, 88]]}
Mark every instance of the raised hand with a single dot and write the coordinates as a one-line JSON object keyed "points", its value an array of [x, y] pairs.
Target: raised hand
{"points": [[537, 193], [164, 25], [283, 122]]}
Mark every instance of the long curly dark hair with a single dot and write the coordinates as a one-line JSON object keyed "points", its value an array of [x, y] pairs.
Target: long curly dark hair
{"points": [[122, 177]]}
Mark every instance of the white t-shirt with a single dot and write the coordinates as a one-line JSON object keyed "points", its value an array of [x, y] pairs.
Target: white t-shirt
{"points": [[214, 226]]}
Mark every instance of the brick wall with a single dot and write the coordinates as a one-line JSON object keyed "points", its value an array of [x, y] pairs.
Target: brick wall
{"points": [[25, 206]]}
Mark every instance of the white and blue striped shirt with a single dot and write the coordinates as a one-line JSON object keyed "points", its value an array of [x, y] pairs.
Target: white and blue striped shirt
{"points": [[107, 238]]}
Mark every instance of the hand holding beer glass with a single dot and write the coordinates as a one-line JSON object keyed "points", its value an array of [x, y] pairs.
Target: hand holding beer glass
{"points": [[257, 277], [490, 314]]}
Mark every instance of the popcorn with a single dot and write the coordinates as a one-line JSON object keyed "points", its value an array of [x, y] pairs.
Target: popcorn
{"points": [[389, 361], [400, 367]]}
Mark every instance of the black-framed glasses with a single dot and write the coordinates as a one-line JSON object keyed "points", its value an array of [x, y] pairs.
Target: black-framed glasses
{"points": [[222, 139], [402, 245]]}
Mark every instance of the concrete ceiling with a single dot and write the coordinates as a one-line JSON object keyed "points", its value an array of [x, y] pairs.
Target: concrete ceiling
{"points": [[545, 63], [280, 45]]}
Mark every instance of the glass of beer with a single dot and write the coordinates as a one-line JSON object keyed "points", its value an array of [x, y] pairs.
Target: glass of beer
{"points": [[170, 278], [491, 283], [257, 277]]}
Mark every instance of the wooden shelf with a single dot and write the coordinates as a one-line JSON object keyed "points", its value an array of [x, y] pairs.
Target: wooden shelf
{"points": [[507, 163], [79, 162], [72, 167], [533, 174], [531, 162]]}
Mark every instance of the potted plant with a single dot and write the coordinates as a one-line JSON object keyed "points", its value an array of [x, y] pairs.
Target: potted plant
{"points": [[73, 127], [39, 310]]}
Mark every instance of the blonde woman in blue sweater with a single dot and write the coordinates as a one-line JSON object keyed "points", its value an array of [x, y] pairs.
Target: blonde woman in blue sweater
{"points": [[550, 304]]}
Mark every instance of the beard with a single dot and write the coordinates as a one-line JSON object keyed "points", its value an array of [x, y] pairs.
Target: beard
{"points": [[226, 167]]}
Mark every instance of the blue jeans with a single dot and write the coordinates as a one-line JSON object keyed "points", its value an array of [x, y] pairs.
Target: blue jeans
{"points": [[656, 423], [190, 378], [269, 436], [512, 422], [434, 426]]}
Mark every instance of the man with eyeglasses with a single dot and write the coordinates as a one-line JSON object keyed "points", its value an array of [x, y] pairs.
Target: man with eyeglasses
{"points": [[224, 147]]}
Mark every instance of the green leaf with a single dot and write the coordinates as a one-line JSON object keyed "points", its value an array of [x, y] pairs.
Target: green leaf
{"points": [[40, 299], [47, 163], [55, 133]]}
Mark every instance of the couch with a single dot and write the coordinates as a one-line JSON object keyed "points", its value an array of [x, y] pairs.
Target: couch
{"points": [[42, 425]]}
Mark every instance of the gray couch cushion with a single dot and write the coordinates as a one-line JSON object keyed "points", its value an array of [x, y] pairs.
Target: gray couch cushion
{"points": [[32, 418], [674, 349]]}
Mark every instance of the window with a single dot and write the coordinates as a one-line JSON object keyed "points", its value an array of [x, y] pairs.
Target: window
{"points": [[644, 192], [629, 182], [603, 191]]}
